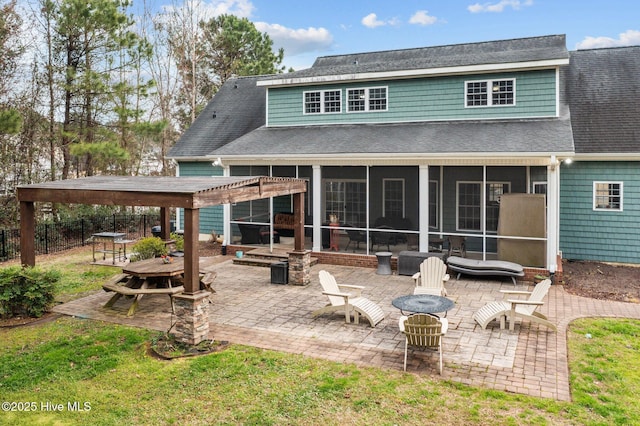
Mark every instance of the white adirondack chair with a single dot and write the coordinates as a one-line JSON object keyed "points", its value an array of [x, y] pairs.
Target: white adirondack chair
{"points": [[514, 308], [431, 277], [425, 331], [347, 298]]}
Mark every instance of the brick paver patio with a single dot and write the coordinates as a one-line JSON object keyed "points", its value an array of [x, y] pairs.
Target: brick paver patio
{"points": [[247, 309]]}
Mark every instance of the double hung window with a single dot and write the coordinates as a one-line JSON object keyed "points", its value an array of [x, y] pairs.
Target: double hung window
{"points": [[393, 203], [323, 102], [490, 93], [367, 99]]}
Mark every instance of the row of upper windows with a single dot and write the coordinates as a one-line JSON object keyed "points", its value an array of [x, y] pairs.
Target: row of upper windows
{"points": [[477, 94], [358, 100]]}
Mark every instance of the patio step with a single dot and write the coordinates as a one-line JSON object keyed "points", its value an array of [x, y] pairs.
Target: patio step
{"points": [[264, 258]]}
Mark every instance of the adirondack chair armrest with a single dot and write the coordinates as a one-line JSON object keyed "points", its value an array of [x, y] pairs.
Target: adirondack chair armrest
{"points": [[446, 277], [521, 292], [524, 302], [357, 289], [416, 276], [345, 295]]}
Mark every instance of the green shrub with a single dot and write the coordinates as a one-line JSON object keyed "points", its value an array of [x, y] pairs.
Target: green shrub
{"points": [[148, 248], [26, 291], [179, 241]]}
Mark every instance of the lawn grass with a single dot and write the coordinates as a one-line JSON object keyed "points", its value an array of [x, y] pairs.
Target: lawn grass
{"points": [[77, 372]]}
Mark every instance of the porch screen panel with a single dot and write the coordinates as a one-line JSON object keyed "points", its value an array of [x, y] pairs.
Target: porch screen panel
{"points": [[494, 191], [469, 206], [347, 200]]}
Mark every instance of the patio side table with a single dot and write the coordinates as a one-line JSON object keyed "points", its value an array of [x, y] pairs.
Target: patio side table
{"points": [[384, 262]]}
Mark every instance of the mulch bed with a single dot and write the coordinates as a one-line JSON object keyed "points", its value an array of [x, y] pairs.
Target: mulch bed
{"points": [[604, 281]]}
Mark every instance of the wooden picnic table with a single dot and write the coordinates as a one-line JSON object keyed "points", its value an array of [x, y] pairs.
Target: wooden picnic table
{"points": [[151, 276]]}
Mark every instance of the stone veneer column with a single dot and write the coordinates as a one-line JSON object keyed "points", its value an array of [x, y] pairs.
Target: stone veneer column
{"points": [[300, 267], [192, 313]]}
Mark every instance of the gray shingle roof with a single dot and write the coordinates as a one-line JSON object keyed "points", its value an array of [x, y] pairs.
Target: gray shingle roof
{"points": [[239, 107], [470, 137], [603, 92], [493, 52]]}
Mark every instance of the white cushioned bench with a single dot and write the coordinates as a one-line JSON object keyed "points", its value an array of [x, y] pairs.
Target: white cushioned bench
{"points": [[462, 265]]}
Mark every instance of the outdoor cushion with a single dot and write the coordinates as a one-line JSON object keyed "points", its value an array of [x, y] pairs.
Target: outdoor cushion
{"points": [[493, 265]]}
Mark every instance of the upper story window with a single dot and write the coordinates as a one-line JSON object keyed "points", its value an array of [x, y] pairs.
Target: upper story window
{"points": [[490, 92], [367, 99], [607, 196], [322, 102]]}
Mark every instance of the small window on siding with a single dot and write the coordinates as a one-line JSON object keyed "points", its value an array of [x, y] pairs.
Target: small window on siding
{"points": [[607, 196]]}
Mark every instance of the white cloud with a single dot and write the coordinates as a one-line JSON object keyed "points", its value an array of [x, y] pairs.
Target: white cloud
{"points": [[205, 10], [422, 17], [296, 41], [627, 38], [498, 7], [240, 8], [372, 21]]}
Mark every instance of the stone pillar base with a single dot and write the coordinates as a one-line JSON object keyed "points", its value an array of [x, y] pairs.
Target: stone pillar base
{"points": [[192, 313], [300, 267]]}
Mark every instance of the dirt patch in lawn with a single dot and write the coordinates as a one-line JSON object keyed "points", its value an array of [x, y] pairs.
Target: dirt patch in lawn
{"points": [[602, 280]]}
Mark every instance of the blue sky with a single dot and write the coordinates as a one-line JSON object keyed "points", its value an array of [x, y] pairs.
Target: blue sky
{"points": [[308, 29]]}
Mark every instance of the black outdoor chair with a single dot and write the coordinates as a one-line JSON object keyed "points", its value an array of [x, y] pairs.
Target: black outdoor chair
{"points": [[383, 238], [355, 236]]}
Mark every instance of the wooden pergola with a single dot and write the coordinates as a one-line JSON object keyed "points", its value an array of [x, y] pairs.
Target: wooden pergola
{"points": [[188, 193]]}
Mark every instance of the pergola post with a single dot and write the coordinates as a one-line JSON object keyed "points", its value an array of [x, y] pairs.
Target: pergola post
{"points": [[165, 224], [27, 233], [192, 306], [299, 258], [191, 252]]}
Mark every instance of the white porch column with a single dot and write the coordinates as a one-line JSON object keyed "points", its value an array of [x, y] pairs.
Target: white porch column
{"points": [[226, 211], [316, 190], [423, 203], [553, 206]]}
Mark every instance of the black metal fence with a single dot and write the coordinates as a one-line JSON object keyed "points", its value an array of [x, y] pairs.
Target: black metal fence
{"points": [[52, 237]]}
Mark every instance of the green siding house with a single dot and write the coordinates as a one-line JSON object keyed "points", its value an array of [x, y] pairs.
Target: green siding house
{"points": [[405, 149]]}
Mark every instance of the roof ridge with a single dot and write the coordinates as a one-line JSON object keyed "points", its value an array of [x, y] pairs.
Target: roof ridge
{"points": [[486, 42]]}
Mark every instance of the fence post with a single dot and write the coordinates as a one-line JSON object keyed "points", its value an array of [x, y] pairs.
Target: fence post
{"points": [[82, 230], [46, 238]]}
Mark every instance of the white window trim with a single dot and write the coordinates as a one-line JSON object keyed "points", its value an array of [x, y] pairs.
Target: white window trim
{"points": [[437, 197], [322, 102], [483, 203], [490, 103], [384, 194], [323, 194], [606, 209], [538, 184], [367, 91]]}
